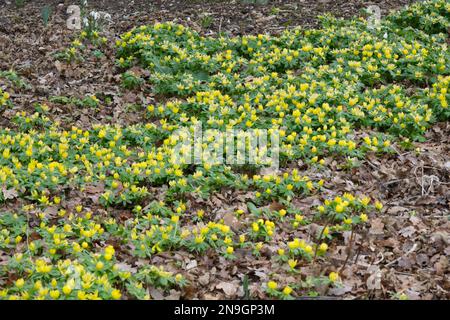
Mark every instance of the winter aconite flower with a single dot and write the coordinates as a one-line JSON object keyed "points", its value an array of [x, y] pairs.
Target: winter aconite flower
{"points": [[272, 285], [378, 205], [323, 247], [287, 290], [115, 294], [88, 206], [292, 263], [333, 276]]}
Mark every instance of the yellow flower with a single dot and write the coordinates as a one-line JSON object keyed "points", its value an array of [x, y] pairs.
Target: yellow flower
{"points": [[199, 239], [272, 285], [292, 263], [365, 201], [67, 290], [99, 265], [54, 294], [333, 276], [287, 290], [403, 296], [178, 277], [109, 250], [323, 247], [353, 101], [115, 294], [20, 283], [258, 246], [200, 214], [230, 250], [363, 217], [308, 249], [293, 244], [81, 295]]}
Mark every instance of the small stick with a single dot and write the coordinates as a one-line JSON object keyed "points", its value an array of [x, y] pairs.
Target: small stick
{"points": [[414, 247], [349, 250], [220, 24], [320, 237]]}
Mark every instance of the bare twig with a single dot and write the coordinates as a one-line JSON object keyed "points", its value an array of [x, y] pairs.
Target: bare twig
{"points": [[320, 237], [220, 24], [413, 248], [349, 250]]}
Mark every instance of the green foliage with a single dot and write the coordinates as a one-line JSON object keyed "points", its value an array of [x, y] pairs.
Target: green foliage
{"points": [[46, 13], [131, 81], [14, 79]]}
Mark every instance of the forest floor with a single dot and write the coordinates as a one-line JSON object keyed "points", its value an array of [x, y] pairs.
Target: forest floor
{"points": [[406, 246]]}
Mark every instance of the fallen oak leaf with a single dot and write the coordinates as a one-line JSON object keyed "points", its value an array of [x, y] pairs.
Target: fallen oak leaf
{"points": [[191, 265], [9, 194], [155, 293], [229, 288], [230, 220], [376, 227], [374, 280]]}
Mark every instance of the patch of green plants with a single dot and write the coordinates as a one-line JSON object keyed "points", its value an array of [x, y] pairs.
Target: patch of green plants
{"points": [[15, 80], [46, 13], [131, 81]]}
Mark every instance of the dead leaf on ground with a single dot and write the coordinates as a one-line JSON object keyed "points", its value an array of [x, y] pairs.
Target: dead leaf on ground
{"points": [[229, 288], [374, 280], [9, 194], [376, 227]]}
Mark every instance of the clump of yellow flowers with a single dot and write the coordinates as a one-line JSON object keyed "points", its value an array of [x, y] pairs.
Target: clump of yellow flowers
{"points": [[4, 99], [137, 202]]}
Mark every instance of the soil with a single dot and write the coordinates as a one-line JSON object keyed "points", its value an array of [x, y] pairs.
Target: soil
{"points": [[409, 243]]}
